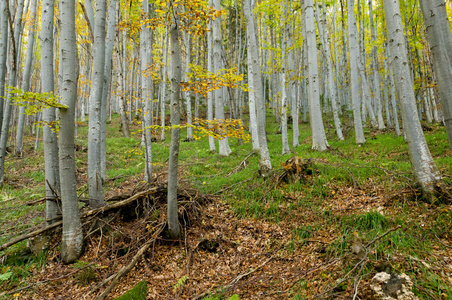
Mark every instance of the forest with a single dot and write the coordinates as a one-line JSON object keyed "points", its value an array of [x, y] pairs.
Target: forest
{"points": [[225, 149]]}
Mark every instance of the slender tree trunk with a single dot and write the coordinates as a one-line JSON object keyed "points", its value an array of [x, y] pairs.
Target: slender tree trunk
{"points": [[187, 38], [252, 103], [146, 39], [72, 240], [265, 162], [319, 141], [96, 198], [163, 89], [354, 56], [173, 220], [393, 97], [283, 76], [439, 37], [424, 169], [210, 69], [12, 82], [113, 6], [4, 32], [223, 144], [52, 174], [330, 79], [26, 80]]}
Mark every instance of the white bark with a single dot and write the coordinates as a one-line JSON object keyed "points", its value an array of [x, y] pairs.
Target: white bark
{"points": [[283, 76], [354, 84], [319, 141], [210, 69], [3, 54], [72, 239], [96, 198], [109, 43], [424, 169], [439, 37], [146, 90], [265, 162], [376, 76], [187, 96], [252, 103], [223, 144], [26, 79], [173, 221], [52, 174], [330, 76]]}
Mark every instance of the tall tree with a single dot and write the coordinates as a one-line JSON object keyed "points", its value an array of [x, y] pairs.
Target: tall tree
{"points": [[15, 37], [439, 38], [26, 79], [72, 240], [319, 141], [425, 171], [146, 88], [223, 144], [3, 54], [109, 43], [52, 175], [96, 198], [354, 84], [265, 163], [173, 221]]}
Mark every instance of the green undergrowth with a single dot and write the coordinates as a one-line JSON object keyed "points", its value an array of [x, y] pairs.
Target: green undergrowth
{"points": [[379, 168]]}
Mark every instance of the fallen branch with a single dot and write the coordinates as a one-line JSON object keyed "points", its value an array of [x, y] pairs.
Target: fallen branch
{"points": [[126, 269], [382, 236], [84, 215]]}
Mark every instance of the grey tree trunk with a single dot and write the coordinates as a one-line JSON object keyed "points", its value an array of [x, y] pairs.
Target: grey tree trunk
{"points": [[283, 76], [425, 171], [52, 174], [72, 240], [96, 198], [319, 141], [440, 43], [109, 43], [173, 221], [265, 162], [354, 84], [252, 103], [187, 94], [146, 90], [210, 69], [163, 89], [393, 96], [26, 80], [331, 84], [3, 54], [122, 98], [376, 76], [12, 82], [223, 144]]}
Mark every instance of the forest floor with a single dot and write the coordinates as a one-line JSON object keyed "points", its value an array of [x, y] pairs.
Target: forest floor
{"points": [[285, 237]]}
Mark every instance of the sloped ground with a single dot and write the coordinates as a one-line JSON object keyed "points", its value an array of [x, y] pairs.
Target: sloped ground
{"points": [[306, 255]]}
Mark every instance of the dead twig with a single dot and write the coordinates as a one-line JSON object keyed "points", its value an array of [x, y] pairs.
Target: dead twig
{"points": [[89, 213], [126, 269]]}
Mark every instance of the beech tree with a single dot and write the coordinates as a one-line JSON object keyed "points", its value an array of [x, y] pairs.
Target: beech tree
{"points": [[95, 102], [354, 54], [425, 171], [72, 240], [439, 38], [52, 175]]}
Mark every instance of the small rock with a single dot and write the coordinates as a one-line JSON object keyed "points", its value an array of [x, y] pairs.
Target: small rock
{"points": [[392, 287], [38, 244]]}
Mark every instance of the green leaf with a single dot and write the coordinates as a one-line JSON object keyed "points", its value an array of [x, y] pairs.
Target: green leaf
{"points": [[5, 276]]}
